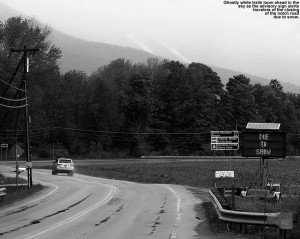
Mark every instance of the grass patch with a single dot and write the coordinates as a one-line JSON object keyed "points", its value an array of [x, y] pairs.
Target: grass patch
{"points": [[17, 194], [269, 206], [10, 180], [198, 173]]}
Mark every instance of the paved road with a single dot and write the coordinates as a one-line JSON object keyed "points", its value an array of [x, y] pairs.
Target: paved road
{"points": [[88, 207]]}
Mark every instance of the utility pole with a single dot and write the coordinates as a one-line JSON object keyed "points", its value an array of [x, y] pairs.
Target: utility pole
{"points": [[25, 51]]}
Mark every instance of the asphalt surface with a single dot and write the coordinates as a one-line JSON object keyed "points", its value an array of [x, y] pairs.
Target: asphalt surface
{"points": [[89, 207]]}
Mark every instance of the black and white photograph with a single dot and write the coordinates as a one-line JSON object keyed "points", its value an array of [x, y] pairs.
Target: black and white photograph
{"points": [[139, 119]]}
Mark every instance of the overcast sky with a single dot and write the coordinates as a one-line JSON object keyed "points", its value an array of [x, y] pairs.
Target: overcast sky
{"points": [[206, 31]]}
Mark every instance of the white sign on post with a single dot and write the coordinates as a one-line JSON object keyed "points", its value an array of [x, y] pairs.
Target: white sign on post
{"points": [[28, 164], [224, 174]]}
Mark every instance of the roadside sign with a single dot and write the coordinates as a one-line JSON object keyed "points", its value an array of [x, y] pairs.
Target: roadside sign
{"points": [[224, 147], [224, 140], [4, 147], [224, 174], [28, 164], [264, 144]]}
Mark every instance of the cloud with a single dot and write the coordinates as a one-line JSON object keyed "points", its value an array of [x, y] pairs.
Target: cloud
{"points": [[142, 45], [171, 49]]}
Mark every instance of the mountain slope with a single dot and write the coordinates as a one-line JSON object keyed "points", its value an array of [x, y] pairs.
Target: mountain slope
{"points": [[79, 54], [225, 74], [87, 56]]}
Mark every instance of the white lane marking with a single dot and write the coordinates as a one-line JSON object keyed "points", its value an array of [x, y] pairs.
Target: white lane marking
{"points": [[80, 214], [40, 198], [175, 227], [48, 194]]}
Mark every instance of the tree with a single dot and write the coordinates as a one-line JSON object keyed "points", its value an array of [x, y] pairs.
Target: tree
{"points": [[276, 85], [294, 123], [242, 101], [42, 78], [73, 96], [203, 108], [138, 111]]}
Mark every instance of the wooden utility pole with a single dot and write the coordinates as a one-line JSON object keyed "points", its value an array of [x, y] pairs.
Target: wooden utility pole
{"points": [[25, 51]]}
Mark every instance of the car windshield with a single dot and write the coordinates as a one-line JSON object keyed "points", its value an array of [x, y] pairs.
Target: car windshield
{"points": [[65, 161]]}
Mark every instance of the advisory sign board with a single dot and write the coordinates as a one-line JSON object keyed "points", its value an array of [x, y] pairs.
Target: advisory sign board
{"points": [[264, 144], [224, 140]]}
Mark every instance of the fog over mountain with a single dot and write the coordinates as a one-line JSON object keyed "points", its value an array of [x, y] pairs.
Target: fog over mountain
{"points": [[88, 56]]}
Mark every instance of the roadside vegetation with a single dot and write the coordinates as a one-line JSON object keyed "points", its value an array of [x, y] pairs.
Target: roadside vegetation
{"points": [[15, 194]]}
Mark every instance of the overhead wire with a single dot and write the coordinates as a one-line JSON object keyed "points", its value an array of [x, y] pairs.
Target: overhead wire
{"points": [[133, 136], [16, 88], [13, 107], [15, 100], [132, 133], [126, 137]]}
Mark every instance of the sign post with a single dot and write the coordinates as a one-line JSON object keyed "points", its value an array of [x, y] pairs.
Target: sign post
{"points": [[263, 140], [224, 140]]}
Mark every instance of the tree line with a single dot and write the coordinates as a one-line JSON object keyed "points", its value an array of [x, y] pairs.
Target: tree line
{"points": [[161, 107]]}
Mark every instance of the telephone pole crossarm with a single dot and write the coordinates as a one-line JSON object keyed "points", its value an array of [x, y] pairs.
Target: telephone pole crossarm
{"points": [[25, 49]]}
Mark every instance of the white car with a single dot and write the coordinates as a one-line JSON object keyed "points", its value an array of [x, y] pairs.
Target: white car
{"points": [[63, 165]]}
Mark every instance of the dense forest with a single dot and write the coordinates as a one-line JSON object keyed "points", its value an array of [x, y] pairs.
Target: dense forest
{"points": [[160, 107]]}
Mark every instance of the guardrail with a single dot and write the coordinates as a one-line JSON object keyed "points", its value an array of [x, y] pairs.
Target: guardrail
{"points": [[282, 220], [2, 192]]}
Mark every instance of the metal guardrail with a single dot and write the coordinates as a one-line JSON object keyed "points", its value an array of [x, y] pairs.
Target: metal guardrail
{"points": [[282, 220], [2, 192]]}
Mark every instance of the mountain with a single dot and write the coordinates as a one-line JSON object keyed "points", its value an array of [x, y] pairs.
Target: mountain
{"points": [[225, 74], [80, 54], [88, 56]]}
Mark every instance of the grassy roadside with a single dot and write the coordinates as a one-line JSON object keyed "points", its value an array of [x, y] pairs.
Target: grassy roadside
{"points": [[15, 194]]}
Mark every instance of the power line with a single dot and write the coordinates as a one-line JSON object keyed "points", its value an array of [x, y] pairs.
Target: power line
{"points": [[12, 86], [132, 133], [15, 100], [13, 107]]}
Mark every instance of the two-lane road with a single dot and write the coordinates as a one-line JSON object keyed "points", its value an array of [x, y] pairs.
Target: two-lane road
{"points": [[88, 207]]}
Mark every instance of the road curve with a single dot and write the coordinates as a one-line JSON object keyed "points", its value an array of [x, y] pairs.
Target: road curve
{"points": [[89, 207]]}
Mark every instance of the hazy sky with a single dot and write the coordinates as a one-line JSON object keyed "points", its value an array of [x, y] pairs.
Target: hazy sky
{"points": [[206, 31]]}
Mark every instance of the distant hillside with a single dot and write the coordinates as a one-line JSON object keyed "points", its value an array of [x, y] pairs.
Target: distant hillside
{"points": [[7, 12], [225, 74], [80, 54], [88, 56]]}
